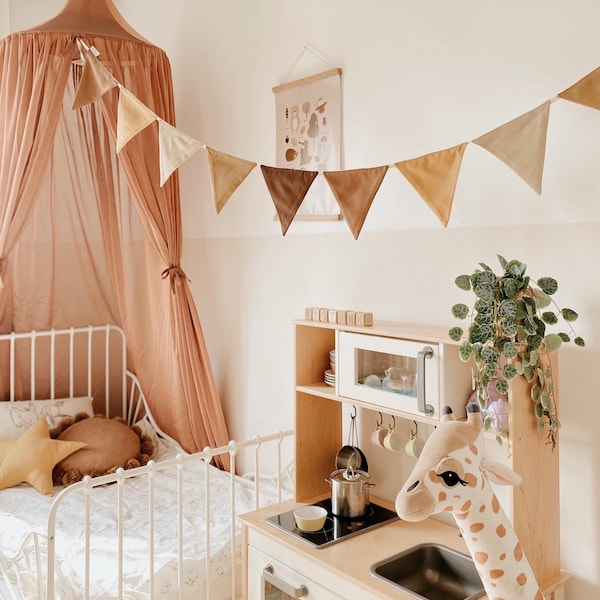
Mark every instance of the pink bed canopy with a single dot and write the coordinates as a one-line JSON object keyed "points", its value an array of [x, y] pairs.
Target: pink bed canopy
{"points": [[88, 236]]}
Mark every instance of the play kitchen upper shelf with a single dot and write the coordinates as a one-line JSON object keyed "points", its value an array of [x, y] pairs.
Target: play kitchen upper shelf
{"points": [[409, 371]]}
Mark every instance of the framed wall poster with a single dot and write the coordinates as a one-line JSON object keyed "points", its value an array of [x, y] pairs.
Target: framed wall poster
{"points": [[308, 130]]}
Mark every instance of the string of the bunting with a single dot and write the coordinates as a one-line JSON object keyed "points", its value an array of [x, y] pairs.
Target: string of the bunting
{"points": [[520, 144], [133, 116]]}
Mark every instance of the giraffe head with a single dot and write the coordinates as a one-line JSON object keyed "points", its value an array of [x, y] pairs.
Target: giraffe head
{"points": [[450, 472]]}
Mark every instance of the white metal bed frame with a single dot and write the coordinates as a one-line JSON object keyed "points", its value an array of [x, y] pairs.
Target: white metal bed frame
{"points": [[134, 407]]}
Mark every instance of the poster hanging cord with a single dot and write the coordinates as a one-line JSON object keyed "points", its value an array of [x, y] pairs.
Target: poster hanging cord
{"points": [[307, 48]]}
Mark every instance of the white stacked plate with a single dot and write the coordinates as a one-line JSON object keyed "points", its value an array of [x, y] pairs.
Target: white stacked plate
{"points": [[330, 377]]}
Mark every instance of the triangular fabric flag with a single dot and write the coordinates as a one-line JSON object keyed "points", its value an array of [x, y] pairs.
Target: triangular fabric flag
{"points": [[586, 91], [96, 80], [132, 116], [287, 187], [521, 144], [175, 147], [354, 191], [226, 175], [434, 176]]}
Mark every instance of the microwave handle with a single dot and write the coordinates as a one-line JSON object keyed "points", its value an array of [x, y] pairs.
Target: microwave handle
{"points": [[286, 588], [422, 405]]}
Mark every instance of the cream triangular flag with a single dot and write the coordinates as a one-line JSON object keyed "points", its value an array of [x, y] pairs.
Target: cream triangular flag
{"points": [[96, 80], [521, 144], [434, 176], [288, 188], [132, 116], [175, 147], [354, 191], [226, 175], [586, 91]]}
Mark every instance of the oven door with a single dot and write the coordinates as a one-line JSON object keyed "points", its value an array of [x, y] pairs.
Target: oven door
{"points": [[269, 579]]}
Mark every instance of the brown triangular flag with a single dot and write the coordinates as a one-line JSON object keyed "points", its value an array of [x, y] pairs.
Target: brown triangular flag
{"points": [[586, 91], [354, 191], [521, 144], [96, 80], [132, 116], [174, 148], [434, 176], [226, 175], [287, 187]]}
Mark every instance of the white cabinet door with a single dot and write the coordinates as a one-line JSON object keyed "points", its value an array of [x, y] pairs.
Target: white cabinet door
{"points": [[268, 579]]}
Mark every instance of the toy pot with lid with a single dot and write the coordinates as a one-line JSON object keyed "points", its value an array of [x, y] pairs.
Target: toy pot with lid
{"points": [[349, 492]]}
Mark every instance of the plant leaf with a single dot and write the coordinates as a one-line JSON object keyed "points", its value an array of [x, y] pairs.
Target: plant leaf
{"points": [[549, 317], [569, 314], [543, 300], [463, 282], [579, 341], [549, 285], [502, 261], [553, 342], [460, 311]]}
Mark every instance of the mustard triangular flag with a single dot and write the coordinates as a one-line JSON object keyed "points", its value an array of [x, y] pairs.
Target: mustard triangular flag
{"points": [[175, 147], [96, 80], [226, 175], [132, 116], [434, 176], [354, 191], [586, 91], [287, 187], [521, 144]]}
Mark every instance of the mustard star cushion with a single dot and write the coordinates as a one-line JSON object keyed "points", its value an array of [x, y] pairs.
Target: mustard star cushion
{"points": [[31, 458]]}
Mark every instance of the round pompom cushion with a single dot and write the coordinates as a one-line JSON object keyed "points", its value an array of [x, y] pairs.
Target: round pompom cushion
{"points": [[109, 444]]}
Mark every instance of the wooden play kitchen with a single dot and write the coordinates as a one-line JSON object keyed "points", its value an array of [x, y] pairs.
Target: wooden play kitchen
{"points": [[280, 561]]}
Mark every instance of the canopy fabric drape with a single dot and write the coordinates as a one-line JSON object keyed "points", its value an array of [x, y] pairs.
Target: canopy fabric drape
{"points": [[88, 236]]}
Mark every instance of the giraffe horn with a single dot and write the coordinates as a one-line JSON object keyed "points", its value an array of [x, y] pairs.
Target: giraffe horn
{"points": [[474, 414]]}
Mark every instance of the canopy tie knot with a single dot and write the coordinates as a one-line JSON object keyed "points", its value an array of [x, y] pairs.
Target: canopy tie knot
{"points": [[174, 272]]}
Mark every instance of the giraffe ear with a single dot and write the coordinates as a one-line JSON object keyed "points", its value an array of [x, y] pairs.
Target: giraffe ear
{"points": [[500, 474]]}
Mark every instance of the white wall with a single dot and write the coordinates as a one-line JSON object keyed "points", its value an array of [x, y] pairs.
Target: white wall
{"points": [[417, 77]]}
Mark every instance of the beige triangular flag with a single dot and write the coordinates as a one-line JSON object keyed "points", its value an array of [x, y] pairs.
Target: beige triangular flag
{"points": [[287, 187], [132, 116], [521, 144], [586, 91], [226, 175], [175, 147], [434, 176], [96, 80], [354, 191]]}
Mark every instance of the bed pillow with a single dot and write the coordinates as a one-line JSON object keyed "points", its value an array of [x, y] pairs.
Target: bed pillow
{"points": [[17, 417], [109, 445], [31, 457]]}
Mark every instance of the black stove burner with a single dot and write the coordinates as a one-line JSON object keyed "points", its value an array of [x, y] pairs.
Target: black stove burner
{"points": [[335, 528]]}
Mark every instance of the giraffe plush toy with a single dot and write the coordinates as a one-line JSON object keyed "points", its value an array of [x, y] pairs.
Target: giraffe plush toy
{"points": [[452, 476]]}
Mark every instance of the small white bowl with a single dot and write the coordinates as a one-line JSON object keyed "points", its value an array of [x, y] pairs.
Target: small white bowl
{"points": [[310, 517]]}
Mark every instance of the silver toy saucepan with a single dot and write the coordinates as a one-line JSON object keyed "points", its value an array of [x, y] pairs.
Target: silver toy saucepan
{"points": [[349, 492]]}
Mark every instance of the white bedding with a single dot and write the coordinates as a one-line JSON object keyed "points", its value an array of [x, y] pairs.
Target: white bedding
{"points": [[23, 510]]}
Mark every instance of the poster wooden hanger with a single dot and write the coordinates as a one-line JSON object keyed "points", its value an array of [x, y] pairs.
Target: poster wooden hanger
{"points": [[91, 16]]}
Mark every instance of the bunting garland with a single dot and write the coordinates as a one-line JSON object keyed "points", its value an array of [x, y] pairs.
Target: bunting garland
{"points": [[520, 144]]}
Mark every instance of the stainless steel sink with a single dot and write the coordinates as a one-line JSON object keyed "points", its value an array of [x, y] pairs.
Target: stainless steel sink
{"points": [[431, 572]]}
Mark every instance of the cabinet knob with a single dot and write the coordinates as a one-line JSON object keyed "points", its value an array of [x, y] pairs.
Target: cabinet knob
{"points": [[286, 588]]}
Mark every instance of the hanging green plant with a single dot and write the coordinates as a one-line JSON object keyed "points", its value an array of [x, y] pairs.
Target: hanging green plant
{"points": [[508, 336]]}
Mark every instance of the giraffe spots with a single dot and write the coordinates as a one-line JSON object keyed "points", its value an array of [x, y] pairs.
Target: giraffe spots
{"points": [[499, 598], [473, 449], [468, 461], [482, 508], [518, 552], [461, 515], [470, 479], [481, 557], [495, 504], [502, 556], [466, 506], [496, 573], [442, 496], [500, 531], [476, 527], [538, 596], [521, 579], [433, 476]]}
